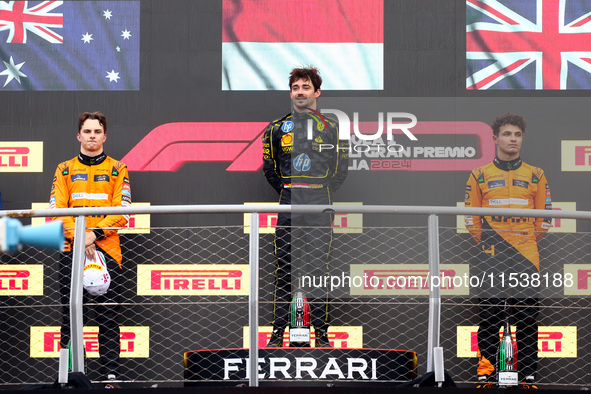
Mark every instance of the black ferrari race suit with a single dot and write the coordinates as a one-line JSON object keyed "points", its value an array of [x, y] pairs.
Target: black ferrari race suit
{"points": [[303, 171]]}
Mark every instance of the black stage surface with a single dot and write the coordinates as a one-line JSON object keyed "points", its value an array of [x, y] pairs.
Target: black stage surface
{"points": [[294, 390]]}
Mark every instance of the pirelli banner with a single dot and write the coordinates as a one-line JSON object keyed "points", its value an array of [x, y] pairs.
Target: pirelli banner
{"points": [[582, 275], [407, 279], [343, 223], [137, 224], [453, 280], [21, 280], [21, 156], [576, 155], [553, 342], [135, 342], [340, 337], [193, 280]]}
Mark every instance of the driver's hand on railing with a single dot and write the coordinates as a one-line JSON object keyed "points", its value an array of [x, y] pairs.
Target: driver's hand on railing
{"points": [[90, 246]]}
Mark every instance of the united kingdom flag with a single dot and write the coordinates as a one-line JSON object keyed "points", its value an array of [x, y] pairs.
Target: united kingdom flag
{"points": [[18, 18], [528, 44]]}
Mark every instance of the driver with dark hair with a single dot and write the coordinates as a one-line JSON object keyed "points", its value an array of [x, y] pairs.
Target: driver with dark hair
{"points": [[306, 171], [508, 244]]}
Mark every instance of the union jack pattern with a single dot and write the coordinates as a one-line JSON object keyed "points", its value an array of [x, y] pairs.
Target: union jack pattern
{"points": [[18, 18], [528, 44]]}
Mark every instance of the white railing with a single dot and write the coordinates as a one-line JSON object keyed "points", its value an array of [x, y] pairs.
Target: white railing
{"points": [[432, 213]]}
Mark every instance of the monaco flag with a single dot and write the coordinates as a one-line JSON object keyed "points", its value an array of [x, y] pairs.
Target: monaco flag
{"points": [[264, 39]]}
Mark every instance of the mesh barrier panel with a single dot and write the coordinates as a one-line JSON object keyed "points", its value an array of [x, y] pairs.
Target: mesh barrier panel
{"points": [[562, 314], [186, 289], [367, 313]]}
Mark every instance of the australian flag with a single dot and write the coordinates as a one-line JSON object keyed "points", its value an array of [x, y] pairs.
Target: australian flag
{"points": [[528, 44], [69, 45]]}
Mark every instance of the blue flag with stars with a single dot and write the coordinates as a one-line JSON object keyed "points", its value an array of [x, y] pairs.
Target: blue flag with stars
{"points": [[69, 45]]}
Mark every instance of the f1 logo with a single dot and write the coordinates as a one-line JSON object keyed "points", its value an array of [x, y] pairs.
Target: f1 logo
{"points": [[169, 146]]}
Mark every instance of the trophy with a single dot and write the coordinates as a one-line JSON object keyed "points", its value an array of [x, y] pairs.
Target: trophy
{"points": [[299, 325], [507, 359]]}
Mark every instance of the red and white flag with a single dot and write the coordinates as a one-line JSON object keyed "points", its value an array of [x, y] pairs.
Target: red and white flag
{"points": [[264, 39]]}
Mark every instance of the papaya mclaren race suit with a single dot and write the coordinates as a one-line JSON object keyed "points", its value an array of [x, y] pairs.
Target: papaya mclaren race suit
{"points": [[306, 172], [98, 181], [509, 245]]}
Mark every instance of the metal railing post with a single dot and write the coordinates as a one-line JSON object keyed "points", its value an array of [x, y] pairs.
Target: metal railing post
{"points": [[253, 301], [434, 291], [76, 323]]}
